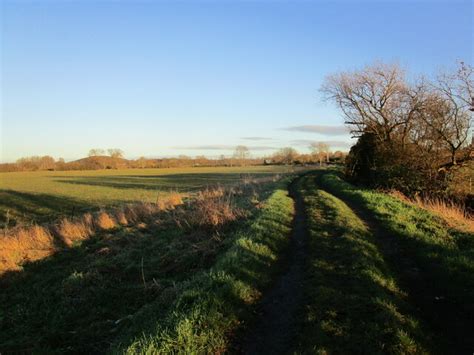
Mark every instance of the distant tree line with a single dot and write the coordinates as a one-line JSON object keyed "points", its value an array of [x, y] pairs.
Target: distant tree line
{"points": [[413, 135], [97, 159]]}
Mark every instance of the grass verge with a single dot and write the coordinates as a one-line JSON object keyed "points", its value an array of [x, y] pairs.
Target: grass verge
{"points": [[210, 306], [435, 261]]}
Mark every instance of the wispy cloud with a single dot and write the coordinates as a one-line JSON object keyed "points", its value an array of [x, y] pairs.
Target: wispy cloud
{"points": [[222, 147], [321, 129], [331, 143], [257, 138]]}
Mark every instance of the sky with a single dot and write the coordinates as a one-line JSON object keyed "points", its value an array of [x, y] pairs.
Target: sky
{"points": [[165, 78]]}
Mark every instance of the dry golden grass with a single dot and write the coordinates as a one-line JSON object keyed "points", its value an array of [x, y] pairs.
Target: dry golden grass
{"points": [[213, 207], [73, 230], [143, 211], [21, 245], [172, 200], [35, 237], [25, 244], [175, 199], [120, 217], [104, 221], [455, 215]]}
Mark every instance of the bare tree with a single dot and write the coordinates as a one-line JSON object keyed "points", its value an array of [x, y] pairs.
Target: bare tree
{"points": [[241, 153], [410, 133], [115, 152], [141, 162], [375, 99], [46, 163], [36, 163], [96, 152], [321, 151], [449, 116], [286, 155]]}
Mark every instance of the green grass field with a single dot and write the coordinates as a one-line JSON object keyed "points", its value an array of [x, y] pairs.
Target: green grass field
{"points": [[44, 195]]}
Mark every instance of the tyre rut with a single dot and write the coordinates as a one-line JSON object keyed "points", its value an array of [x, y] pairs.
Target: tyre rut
{"points": [[275, 329]]}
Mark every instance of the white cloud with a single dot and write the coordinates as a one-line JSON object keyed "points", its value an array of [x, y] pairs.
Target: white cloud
{"points": [[321, 129], [331, 143], [221, 147]]}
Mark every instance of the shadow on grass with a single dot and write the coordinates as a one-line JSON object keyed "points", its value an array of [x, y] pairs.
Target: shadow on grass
{"points": [[16, 206], [179, 182]]}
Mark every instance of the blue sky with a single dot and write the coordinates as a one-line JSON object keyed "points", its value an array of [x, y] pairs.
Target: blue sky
{"points": [[165, 78]]}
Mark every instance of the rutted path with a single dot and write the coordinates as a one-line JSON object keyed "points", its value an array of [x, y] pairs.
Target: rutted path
{"points": [[279, 316], [276, 328]]}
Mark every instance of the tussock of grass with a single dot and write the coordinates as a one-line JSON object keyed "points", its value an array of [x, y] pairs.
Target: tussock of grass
{"points": [[172, 200], [104, 221], [72, 231], [353, 302], [120, 217]]}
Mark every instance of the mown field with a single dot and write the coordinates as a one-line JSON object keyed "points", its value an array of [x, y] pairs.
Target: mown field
{"points": [[216, 274], [27, 197]]}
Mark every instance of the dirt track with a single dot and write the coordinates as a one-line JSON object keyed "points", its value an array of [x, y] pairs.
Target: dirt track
{"points": [[278, 315]]}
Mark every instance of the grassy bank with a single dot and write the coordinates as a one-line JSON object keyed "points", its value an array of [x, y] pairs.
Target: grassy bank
{"points": [[354, 304], [168, 283], [434, 260]]}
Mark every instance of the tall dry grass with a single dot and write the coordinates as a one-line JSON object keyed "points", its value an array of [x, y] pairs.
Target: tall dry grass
{"points": [[170, 202], [210, 208], [213, 208], [25, 244], [454, 214], [71, 231], [104, 221]]}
